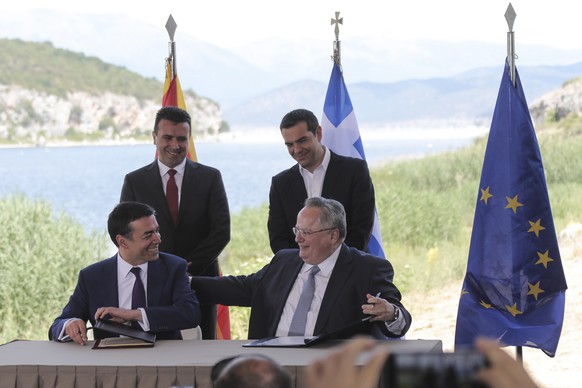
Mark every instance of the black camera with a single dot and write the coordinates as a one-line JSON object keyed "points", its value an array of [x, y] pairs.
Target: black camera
{"points": [[433, 370]]}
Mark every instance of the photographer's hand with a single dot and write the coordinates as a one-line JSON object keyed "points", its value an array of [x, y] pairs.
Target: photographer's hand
{"points": [[503, 371], [339, 369]]}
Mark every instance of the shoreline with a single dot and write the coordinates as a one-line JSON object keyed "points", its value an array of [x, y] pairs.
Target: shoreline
{"points": [[272, 136]]}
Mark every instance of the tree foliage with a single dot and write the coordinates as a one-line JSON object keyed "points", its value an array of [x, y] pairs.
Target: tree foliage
{"points": [[42, 67]]}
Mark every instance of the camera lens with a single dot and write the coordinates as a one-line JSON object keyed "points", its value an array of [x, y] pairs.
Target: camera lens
{"points": [[433, 370]]}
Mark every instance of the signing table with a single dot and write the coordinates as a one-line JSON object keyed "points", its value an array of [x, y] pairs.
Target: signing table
{"points": [[45, 364]]}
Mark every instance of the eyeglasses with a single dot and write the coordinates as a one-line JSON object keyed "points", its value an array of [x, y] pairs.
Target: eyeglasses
{"points": [[305, 233]]}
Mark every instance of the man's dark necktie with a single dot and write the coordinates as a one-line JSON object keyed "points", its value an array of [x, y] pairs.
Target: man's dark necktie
{"points": [[172, 196], [297, 326], [138, 298]]}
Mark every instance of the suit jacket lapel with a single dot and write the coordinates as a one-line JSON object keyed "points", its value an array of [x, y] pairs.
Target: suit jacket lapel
{"points": [[110, 285], [287, 274], [156, 275], [189, 183], [339, 276], [297, 185], [155, 186], [332, 175]]}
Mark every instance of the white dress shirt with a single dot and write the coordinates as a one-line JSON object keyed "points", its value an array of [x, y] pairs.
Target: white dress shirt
{"points": [[314, 181], [321, 280], [125, 282], [179, 177]]}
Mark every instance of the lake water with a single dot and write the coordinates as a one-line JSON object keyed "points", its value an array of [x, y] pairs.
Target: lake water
{"points": [[85, 182]]}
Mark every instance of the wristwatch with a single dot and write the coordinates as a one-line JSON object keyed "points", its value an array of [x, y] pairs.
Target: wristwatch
{"points": [[396, 313]]}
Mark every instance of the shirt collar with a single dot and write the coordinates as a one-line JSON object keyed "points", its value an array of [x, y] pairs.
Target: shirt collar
{"points": [[123, 267], [323, 166], [179, 168]]}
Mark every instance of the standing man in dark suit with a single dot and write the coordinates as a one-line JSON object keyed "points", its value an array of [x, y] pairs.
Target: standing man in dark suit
{"points": [[197, 225], [318, 172], [105, 289], [347, 284]]}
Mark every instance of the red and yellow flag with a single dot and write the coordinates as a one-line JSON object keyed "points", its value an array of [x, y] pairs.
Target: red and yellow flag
{"points": [[173, 96]]}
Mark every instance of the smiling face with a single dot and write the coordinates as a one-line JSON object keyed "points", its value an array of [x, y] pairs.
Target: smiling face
{"points": [[314, 248], [142, 244], [171, 142], [304, 146]]}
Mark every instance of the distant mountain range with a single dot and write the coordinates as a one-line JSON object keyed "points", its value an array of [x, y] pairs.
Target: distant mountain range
{"points": [[388, 80], [467, 98]]}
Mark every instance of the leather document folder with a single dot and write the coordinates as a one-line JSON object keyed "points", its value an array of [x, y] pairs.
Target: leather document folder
{"points": [[130, 337], [345, 332]]}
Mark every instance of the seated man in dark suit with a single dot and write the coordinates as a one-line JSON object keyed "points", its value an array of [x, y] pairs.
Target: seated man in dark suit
{"points": [[318, 173], [138, 285], [344, 284]]}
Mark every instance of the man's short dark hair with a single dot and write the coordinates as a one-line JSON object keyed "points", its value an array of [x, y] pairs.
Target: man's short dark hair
{"points": [[250, 371], [299, 116], [123, 214], [173, 114]]}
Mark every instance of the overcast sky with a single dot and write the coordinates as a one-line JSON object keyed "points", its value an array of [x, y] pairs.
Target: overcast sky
{"points": [[230, 23]]}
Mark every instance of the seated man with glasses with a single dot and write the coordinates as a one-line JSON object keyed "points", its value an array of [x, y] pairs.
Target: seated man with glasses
{"points": [[317, 289]]}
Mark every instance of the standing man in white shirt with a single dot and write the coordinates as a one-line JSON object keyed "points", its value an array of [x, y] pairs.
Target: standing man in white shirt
{"points": [[318, 172], [195, 224]]}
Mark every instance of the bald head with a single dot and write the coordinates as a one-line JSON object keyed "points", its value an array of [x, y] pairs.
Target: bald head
{"points": [[254, 371]]}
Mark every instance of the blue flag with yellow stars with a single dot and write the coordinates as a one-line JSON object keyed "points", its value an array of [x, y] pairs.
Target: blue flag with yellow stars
{"points": [[514, 289]]}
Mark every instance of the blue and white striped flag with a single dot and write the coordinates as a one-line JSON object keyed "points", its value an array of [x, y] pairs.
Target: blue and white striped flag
{"points": [[342, 136]]}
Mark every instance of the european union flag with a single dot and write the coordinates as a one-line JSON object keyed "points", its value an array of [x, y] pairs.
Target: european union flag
{"points": [[342, 135], [514, 289]]}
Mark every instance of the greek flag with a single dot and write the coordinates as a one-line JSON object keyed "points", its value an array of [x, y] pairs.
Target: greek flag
{"points": [[342, 136]]}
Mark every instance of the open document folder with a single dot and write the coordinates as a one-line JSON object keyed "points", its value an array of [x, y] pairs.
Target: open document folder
{"points": [[345, 332], [129, 337]]}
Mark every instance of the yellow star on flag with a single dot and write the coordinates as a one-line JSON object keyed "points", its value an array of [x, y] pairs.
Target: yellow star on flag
{"points": [[513, 309], [463, 292], [534, 290], [513, 204], [544, 258], [536, 227], [486, 305], [485, 195]]}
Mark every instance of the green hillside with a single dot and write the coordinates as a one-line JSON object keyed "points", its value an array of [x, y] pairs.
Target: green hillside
{"points": [[42, 67]]}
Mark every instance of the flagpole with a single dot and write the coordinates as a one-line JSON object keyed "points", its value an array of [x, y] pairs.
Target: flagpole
{"points": [[510, 18], [171, 28], [337, 55]]}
